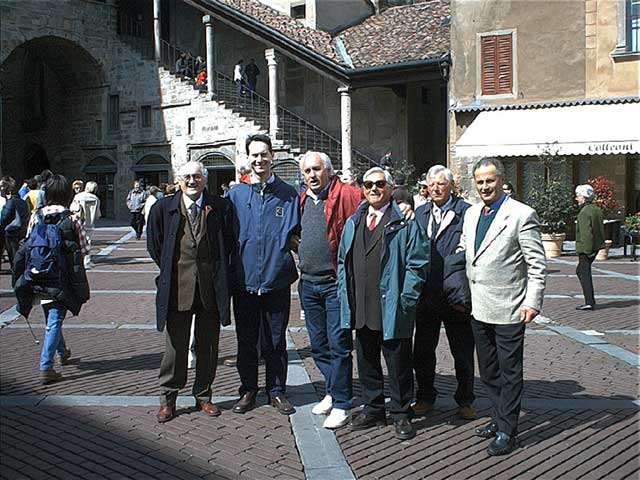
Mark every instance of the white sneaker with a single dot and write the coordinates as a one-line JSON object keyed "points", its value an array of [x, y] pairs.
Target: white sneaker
{"points": [[336, 419], [324, 406]]}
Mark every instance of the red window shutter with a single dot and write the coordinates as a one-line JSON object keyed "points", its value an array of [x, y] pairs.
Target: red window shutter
{"points": [[496, 55]]}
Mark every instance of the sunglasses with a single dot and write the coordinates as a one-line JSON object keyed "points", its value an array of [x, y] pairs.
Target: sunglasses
{"points": [[369, 184]]}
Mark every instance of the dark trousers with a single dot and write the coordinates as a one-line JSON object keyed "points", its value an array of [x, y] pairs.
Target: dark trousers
{"points": [[12, 243], [137, 223], [173, 369], [330, 345], [458, 329], [583, 271], [397, 356], [261, 326], [500, 352]]}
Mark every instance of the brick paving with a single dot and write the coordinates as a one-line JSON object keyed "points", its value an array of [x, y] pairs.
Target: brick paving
{"points": [[107, 441]]}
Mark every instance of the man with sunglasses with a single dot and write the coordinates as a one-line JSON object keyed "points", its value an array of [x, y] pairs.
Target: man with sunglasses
{"points": [[382, 264], [189, 238], [266, 220]]}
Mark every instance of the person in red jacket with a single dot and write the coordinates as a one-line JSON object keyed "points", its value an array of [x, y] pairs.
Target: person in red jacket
{"points": [[325, 205]]}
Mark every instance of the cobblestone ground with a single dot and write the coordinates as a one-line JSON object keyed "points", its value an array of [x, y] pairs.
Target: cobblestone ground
{"points": [[580, 415]]}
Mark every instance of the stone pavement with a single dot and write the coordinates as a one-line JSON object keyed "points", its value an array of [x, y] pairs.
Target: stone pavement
{"points": [[580, 415]]}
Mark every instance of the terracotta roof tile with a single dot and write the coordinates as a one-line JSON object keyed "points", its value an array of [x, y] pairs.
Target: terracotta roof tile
{"points": [[316, 40], [400, 34]]}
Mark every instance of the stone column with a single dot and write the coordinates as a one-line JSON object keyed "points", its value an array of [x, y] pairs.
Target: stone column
{"points": [[208, 23], [156, 28], [270, 55], [345, 123]]}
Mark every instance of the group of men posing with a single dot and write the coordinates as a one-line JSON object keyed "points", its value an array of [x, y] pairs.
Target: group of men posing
{"points": [[366, 264]]}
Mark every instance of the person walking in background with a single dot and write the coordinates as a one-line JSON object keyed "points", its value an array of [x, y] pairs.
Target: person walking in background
{"points": [[14, 219], [32, 195], [44, 176], [267, 218], [508, 189], [401, 192], [378, 297], [442, 220], [151, 200], [506, 267], [189, 237], [251, 72], [89, 202], [422, 196], [325, 206], [69, 290], [239, 76], [135, 203], [589, 239]]}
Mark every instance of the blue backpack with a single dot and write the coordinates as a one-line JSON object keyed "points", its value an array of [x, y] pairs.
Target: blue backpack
{"points": [[45, 264]]}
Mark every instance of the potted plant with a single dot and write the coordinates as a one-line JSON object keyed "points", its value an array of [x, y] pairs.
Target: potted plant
{"points": [[553, 200], [604, 197]]}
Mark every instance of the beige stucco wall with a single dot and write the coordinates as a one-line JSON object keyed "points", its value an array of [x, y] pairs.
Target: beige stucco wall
{"points": [[549, 54], [607, 75]]}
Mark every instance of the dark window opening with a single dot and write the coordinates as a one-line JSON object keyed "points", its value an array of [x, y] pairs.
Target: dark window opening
{"points": [[145, 116], [299, 12], [114, 112], [633, 25], [191, 126]]}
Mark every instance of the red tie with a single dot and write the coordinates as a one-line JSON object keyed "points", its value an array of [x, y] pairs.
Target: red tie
{"points": [[487, 210], [372, 222]]}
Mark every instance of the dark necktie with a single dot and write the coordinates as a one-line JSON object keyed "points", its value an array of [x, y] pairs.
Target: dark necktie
{"points": [[193, 217]]}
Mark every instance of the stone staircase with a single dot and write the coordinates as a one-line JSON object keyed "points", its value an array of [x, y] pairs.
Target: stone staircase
{"points": [[247, 113]]}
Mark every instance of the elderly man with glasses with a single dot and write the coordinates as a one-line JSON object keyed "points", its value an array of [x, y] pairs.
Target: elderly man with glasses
{"points": [[189, 238], [382, 264]]}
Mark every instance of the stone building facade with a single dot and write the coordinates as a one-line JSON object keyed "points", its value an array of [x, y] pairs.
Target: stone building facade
{"points": [[549, 59]]}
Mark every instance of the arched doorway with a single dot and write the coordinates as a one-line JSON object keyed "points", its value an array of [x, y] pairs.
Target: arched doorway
{"points": [[43, 84], [153, 168], [102, 170], [36, 161], [220, 170], [289, 171]]}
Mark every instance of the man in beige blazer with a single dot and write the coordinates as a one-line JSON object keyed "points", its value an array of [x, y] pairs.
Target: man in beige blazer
{"points": [[506, 268]]}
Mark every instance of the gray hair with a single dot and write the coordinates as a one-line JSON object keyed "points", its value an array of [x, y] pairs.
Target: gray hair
{"points": [[323, 156], [91, 187], [585, 191], [437, 170], [387, 175], [200, 165], [488, 161]]}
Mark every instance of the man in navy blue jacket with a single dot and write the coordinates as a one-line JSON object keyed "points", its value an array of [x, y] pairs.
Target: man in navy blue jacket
{"points": [[266, 219], [442, 220]]}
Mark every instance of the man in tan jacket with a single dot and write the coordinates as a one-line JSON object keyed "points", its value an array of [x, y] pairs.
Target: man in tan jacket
{"points": [[506, 268]]}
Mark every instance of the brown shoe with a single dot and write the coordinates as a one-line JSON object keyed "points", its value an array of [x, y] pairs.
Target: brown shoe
{"points": [[280, 403], [247, 402], [166, 413], [422, 407], [64, 358], [230, 362], [49, 376], [208, 408], [467, 412]]}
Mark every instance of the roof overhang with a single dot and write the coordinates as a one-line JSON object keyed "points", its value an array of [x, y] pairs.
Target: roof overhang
{"points": [[573, 130], [383, 75]]}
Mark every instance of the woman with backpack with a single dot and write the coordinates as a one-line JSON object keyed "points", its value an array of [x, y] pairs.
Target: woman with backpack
{"points": [[49, 270]]}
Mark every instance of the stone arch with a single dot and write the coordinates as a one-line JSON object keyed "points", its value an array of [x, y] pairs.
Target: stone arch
{"points": [[153, 167], [52, 91], [221, 169], [289, 171]]}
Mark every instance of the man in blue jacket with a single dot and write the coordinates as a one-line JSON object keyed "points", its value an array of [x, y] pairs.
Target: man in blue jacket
{"points": [[382, 264], [442, 220], [266, 219]]}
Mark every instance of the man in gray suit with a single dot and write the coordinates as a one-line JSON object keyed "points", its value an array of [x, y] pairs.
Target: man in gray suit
{"points": [[506, 268]]}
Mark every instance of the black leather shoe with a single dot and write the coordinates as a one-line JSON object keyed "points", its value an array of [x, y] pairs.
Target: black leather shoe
{"points": [[166, 413], [503, 444], [586, 306], [487, 431], [280, 403], [404, 430], [363, 421], [247, 402]]}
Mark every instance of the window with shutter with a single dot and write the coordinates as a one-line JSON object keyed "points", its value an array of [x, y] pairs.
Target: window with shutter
{"points": [[496, 56]]}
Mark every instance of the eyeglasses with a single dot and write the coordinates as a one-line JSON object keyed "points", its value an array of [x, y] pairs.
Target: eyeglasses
{"points": [[195, 176], [368, 185]]}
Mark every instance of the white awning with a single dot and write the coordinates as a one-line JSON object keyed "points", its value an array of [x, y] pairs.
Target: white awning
{"points": [[573, 130]]}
